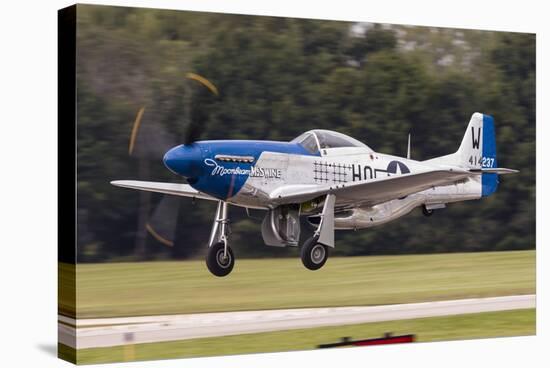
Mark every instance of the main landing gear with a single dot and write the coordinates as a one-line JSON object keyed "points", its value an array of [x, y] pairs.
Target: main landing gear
{"points": [[313, 254], [314, 251], [220, 259]]}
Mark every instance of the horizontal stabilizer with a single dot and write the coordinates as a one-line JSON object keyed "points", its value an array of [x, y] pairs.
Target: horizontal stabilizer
{"points": [[495, 170]]}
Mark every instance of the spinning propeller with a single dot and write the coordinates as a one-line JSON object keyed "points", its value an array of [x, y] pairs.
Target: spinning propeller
{"points": [[148, 142]]}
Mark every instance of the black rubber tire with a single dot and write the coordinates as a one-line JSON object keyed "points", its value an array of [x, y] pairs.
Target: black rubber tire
{"points": [[215, 263], [426, 212], [313, 254]]}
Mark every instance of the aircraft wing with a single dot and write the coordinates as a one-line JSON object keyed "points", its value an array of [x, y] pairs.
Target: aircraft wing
{"points": [[183, 190], [372, 192]]}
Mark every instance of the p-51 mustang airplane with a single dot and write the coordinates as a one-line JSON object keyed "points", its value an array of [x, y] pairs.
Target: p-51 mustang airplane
{"points": [[335, 180]]}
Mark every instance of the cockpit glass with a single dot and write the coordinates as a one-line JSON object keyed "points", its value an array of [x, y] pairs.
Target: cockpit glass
{"points": [[329, 139], [307, 140], [314, 140]]}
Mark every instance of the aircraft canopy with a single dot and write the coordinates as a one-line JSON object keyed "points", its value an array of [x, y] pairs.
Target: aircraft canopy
{"points": [[315, 140]]}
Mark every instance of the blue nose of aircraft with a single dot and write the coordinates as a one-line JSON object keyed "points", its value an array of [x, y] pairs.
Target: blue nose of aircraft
{"points": [[184, 160]]}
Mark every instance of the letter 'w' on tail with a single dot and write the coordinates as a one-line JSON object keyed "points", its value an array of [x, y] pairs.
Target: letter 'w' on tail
{"points": [[475, 140], [478, 150]]}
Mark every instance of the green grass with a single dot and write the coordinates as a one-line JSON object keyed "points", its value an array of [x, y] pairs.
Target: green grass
{"points": [[130, 289], [66, 353], [66, 289], [492, 324]]}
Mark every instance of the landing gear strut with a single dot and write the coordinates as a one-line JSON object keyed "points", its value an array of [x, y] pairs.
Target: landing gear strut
{"points": [[220, 259], [314, 252]]}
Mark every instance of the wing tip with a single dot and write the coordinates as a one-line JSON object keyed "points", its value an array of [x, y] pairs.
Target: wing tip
{"points": [[124, 183], [508, 171]]}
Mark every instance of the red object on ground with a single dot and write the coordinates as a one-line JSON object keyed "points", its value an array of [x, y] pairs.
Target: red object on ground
{"points": [[387, 339]]}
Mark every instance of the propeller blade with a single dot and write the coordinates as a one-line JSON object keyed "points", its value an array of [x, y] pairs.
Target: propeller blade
{"points": [[135, 128], [198, 117], [148, 138], [205, 82], [162, 224], [195, 126]]}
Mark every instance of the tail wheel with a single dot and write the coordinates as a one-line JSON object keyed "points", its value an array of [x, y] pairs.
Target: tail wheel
{"points": [[426, 211], [218, 263], [313, 254]]}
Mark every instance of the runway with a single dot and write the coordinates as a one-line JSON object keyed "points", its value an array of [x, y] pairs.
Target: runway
{"points": [[106, 332]]}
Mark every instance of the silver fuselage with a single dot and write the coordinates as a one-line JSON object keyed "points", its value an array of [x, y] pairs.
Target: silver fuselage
{"points": [[345, 165]]}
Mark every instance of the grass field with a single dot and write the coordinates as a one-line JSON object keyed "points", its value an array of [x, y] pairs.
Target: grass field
{"points": [[130, 289], [493, 324]]}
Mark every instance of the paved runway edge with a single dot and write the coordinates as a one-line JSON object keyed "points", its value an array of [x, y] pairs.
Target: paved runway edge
{"points": [[105, 332]]}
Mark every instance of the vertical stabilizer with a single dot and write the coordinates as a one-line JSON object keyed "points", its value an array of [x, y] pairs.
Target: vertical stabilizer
{"points": [[478, 150]]}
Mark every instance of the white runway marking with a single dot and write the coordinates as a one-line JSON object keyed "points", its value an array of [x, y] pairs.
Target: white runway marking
{"points": [[105, 332]]}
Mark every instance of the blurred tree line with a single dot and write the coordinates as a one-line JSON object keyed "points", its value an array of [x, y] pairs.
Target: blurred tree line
{"points": [[278, 77]]}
